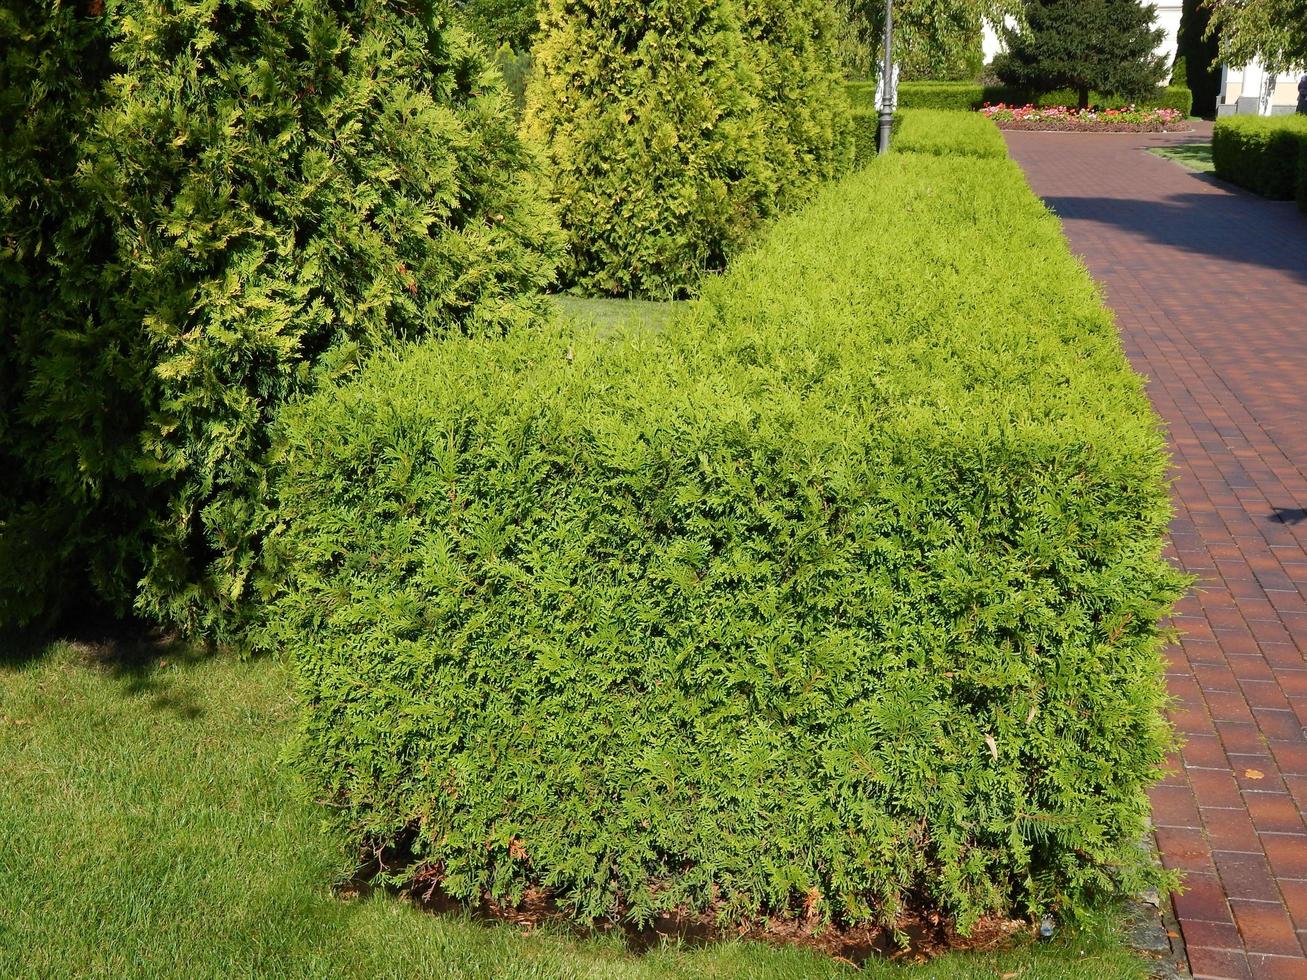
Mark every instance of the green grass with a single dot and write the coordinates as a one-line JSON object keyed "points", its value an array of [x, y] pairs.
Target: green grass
{"points": [[611, 315], [1192, 156], [149, 828]]}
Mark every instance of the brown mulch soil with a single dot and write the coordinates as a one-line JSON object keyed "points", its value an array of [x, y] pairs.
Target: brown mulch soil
{"points": [[925, 936], [1066, 126]]}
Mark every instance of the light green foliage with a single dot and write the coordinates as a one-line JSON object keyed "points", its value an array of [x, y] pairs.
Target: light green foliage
{"points": [[966, 96], [648, 115], [840, 596], [1271, 31], [1085, 45], [195, 854], [1261, 153], [940, 132], [791, 44], [263, 191], [674, 129]]}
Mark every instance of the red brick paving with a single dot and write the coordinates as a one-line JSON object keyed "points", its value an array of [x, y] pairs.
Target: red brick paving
{"points": [[1210, 288]]}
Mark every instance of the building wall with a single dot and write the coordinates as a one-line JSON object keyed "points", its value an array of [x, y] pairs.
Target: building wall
{"points": [[1242, 88]]}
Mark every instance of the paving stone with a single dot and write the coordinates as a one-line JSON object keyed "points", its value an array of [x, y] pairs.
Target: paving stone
{"points": [[1209, 285]]}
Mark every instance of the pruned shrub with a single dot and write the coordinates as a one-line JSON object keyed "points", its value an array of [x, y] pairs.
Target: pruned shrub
{"points": [[866, 136], [1302, 175], [944, 133], [266, 198], [839, 598], [674, 129], [1260, 153]]}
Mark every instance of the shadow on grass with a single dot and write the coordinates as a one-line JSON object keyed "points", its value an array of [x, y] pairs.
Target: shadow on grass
{"points": [[141, 659]]}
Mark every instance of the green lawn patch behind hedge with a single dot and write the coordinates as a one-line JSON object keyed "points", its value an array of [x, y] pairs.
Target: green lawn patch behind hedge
{"points": [[1261, 153]]}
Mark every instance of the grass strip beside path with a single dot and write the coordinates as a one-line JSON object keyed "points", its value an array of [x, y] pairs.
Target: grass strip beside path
{"points": [[1192, 156]]}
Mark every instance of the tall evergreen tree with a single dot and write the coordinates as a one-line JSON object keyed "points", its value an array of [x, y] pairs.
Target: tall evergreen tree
{"points": [[673, 128], [1107, 46], [648, 116], [243, 197], [793, 46], [509, 23], [1200, 48]]}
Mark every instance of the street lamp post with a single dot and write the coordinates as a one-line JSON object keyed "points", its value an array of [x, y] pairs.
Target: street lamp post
{"points": [[887, 81]]}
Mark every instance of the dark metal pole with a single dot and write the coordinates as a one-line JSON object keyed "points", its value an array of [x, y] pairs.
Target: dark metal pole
{"points": [[887, 80]]}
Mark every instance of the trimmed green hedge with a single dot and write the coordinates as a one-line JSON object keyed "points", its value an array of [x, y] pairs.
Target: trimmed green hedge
{"points": [[1261, 153], [866, 136], [938, 132], [968, 96], [1302, 178], [943, 132], [838, 598]]}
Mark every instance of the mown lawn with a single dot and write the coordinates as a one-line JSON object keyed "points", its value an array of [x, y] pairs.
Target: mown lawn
{"points": [[610, 315], [1191, 156], [149, 827]]}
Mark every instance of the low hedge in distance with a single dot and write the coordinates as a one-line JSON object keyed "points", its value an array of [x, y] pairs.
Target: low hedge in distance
{"points": [[837, 599], [1302, 179], [941, 132], [1261, 153], [969, 96]]}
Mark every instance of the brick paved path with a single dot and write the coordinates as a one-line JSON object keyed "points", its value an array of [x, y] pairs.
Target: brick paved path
{"points": [[1210, 289]]}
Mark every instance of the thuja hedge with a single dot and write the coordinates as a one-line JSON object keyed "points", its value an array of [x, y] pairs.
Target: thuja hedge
{"points": [[840, 598], [1261, 153], [968, 96], [208, 208], [942, 132], [1302, 176]]}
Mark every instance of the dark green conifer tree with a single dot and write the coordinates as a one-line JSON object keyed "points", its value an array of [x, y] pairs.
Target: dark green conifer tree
{"points": [[674, 128], [1107, 46]]}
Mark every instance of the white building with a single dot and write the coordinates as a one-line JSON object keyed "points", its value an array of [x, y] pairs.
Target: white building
{"points": [[1243, 90]]}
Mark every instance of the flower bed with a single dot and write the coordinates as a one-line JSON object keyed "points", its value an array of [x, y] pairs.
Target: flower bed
{"points": [[1131, 119]]}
